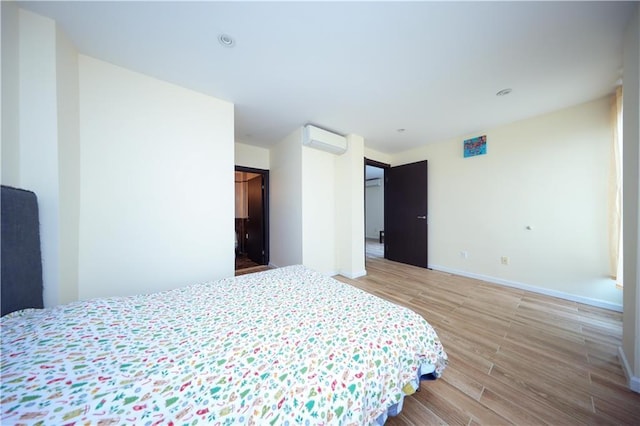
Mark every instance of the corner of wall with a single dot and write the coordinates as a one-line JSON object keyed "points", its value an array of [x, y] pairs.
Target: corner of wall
{"points": [[634, 381], [631, 195], [285, 204], [38, 145], [68, 107]]}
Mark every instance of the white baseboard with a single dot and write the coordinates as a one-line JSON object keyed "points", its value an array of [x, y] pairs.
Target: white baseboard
{"points": [[354, 275], [554, 293], [634, 382]]}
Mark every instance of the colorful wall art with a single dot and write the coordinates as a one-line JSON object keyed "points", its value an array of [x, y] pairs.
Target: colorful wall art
{"points": [[475, 146]]}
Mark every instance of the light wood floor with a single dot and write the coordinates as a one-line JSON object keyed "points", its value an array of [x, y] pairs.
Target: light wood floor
{"points": [[251, 270], [374, 247], [515, 357]]}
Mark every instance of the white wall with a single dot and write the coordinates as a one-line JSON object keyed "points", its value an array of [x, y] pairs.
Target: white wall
{"points": [[160, 145], [10, 94], [157, 200], [251, 156], [318, 210], [285, 204], [374, 210], [381, 157], [548, 172], [68, 165], [631, 197]]}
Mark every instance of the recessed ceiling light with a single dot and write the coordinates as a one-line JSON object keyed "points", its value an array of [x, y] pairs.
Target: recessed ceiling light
{"points": [[226, 40], [503, 92]]}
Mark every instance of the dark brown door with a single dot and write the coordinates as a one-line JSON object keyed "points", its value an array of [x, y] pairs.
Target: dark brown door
{"points": [[254, 232], [405, 214]]}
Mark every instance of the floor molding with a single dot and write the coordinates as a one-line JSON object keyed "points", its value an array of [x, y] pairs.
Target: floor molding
{"points": [[554, 293], [634, 382], [354, 275]]}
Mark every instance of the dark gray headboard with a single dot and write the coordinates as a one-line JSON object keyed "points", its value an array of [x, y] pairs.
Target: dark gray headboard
{"points": [[21, 259]]}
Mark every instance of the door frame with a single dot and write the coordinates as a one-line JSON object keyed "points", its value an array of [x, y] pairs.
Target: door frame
{"points": [[265, 205], [384, 167]]}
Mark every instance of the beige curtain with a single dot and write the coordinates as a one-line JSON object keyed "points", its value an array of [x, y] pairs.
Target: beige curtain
{"points": [[615, 189]]}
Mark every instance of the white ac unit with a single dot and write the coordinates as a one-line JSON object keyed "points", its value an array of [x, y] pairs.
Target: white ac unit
{"points": [[324, 140], [374, 182]]}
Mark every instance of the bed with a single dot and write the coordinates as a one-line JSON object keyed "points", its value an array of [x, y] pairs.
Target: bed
{"points": [[285, 346]]}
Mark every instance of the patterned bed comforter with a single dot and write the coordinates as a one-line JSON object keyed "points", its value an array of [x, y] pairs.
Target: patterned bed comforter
{"points": [[286, 346]]}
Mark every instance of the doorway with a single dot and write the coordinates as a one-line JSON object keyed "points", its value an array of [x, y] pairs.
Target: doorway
{"points": [[403, 237], [374, 178], [251, 219]]}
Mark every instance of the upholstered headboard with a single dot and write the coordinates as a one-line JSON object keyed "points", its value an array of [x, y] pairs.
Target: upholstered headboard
{"points": [[21, 260]]}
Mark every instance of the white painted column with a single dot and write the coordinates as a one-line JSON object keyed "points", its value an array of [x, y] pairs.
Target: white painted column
{"points": [[38, 131], [350, 209]]}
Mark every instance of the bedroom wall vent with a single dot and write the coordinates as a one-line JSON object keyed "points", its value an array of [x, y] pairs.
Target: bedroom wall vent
{"points": [[323, 140]]}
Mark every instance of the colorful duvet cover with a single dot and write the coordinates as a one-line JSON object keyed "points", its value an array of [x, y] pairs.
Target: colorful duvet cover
{"points": [[286, 346]]}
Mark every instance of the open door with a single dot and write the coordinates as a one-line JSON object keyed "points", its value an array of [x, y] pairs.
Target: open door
{"points": [[254, 243], [405, 224]]}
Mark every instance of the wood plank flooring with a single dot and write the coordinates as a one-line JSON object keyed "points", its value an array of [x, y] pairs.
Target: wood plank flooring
{"points": [[251, 270], [244, 265], [243, 262], [374, 247], [515, 357]]}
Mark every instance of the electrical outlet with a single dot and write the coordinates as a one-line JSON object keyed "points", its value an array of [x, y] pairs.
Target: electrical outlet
{"points": [[504, 260]]}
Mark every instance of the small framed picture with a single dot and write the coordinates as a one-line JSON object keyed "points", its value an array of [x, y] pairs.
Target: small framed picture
{"points": [[475, 146]]}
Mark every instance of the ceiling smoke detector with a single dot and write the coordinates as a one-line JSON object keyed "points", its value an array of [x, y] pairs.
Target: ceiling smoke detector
{"points": [[226, 40]]}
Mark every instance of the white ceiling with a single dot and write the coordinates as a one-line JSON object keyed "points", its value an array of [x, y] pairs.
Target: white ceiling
{"points": [[370, 68]]}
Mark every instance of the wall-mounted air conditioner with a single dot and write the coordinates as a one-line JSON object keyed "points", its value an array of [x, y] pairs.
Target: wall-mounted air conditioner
{"points": [[374, 182], [324, 140]]}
